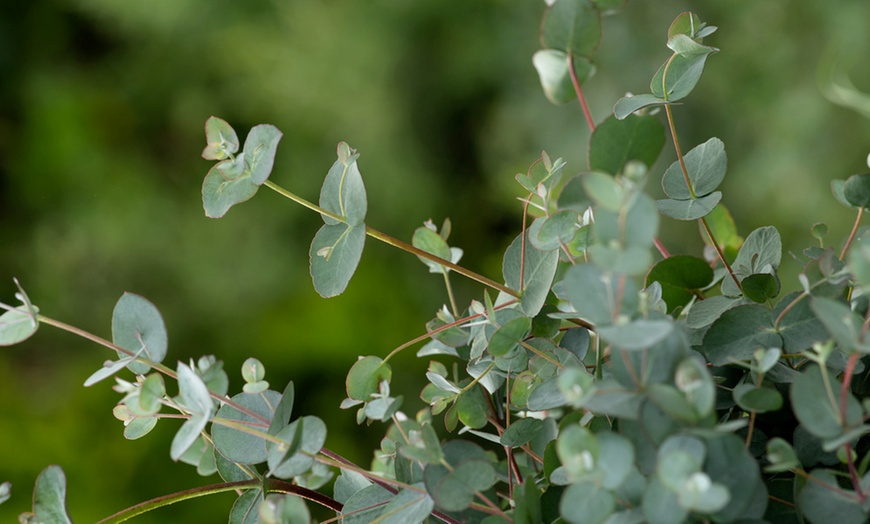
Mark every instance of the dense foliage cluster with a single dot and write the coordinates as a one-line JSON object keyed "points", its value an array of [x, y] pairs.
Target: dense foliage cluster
{"points": [[602, 379]]}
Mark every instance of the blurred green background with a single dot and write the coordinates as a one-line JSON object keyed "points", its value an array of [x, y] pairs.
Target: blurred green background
{"points": [[102, 106]]}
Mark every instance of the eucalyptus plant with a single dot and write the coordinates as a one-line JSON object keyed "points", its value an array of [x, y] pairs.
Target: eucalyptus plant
{"points": [[599, 379]]}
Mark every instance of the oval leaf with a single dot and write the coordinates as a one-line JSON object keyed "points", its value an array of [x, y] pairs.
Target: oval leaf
{"points": [[334, 255]]}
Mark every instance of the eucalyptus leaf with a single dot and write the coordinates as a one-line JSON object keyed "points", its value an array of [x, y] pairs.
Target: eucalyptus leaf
{"points": [[334, 255], [614, 142], [553, 69], [237, 445], [470, 472], [261, 145], [537, 272], [221, 138], [705, 164], [49, 498], [573, 26], [681, 277], [138, 326], [738, 332], [629, 104], [691, 209], [343, 192], [761, 249]]}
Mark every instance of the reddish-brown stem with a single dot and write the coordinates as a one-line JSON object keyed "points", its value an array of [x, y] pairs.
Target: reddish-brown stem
{"points": [[661, 248], [848, 373], [853, 233], [577, 89]]}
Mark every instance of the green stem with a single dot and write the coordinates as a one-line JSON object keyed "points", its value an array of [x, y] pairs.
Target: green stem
{"points": [[450, 294], [685, 171], [387, 239], [272, 485]]}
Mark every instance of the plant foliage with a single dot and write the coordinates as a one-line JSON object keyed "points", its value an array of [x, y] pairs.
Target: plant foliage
{"points": [[600, 380]]}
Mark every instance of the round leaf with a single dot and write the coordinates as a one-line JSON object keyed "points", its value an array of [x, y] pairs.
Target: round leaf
{"points": [[573, 26], [521, 431], [614, 142], [680, 277], [471, 471], [365, 376], [586, 503], [237, 445], [138, 326], [758, 399], [226, 185], [856, 190]]}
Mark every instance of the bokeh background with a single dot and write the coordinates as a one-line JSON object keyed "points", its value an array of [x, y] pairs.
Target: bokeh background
{"points": [[102, 105]]}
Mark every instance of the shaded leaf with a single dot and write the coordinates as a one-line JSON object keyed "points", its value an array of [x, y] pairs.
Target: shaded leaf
{"points": [[454, 489], [856, 190], [680, 277], [521, 432], [815, 398], [573, 26], [762, 248], [614, 142], [738, 332]]}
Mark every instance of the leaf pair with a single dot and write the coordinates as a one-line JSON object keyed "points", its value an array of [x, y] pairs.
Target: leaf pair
{"points": [[236, 179]]}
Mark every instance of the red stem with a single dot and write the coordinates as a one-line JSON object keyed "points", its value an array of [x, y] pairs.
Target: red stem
{"points": [[577, 89]]}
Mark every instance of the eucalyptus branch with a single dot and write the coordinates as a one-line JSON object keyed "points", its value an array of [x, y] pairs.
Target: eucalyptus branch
{"points": [[272, 485], [387, 239], [685, 171]]}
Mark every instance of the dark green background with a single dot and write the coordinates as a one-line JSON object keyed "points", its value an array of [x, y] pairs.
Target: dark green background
{"points": [[102, 105]]}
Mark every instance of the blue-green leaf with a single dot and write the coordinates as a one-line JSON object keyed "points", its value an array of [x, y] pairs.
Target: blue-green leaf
{"points": [[343, 192], [221, 138], [815, 398], [691, 209], [538, 273], [260, 148], [227, 183], [706, 165], [631, 103], [335, 253], [677, 77], [49, 498], [137, 326], [239, 446], [553, 70]]}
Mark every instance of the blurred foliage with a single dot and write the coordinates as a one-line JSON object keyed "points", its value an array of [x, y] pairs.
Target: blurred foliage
{"points": [[102, 105]]}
